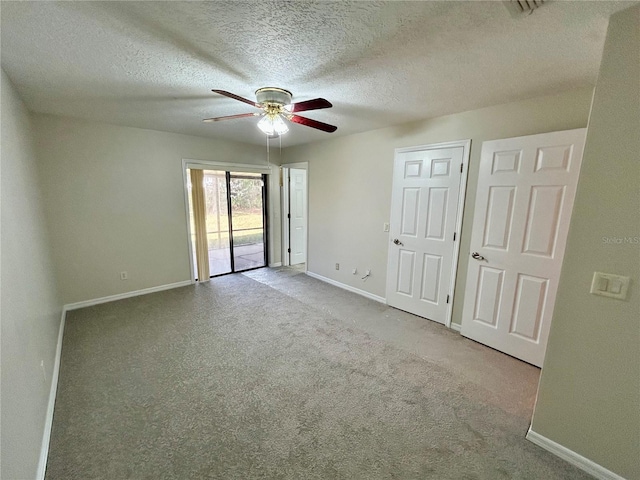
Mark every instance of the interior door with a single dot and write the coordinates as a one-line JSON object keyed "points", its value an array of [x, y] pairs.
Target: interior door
{"points": [[526, 189], [426, 186], [297, 215]]}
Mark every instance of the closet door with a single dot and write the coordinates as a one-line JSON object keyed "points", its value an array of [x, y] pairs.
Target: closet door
{"points": [[523, 206]]}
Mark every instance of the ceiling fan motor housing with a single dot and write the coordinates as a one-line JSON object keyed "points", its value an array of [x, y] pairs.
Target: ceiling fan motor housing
{"points": [[275, 95]]}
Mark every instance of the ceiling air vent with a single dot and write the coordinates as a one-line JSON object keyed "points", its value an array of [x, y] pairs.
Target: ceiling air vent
{"points": [[519, 7]]}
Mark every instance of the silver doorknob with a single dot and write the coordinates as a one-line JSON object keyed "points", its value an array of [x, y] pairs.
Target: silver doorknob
{"points": [[397, 242], [477, 256]]}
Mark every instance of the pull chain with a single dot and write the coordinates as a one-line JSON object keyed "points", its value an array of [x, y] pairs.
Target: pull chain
{"points": [[268, 161]]}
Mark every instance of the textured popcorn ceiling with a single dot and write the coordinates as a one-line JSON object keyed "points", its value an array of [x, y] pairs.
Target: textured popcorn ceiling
{"points": [[153, 64]]}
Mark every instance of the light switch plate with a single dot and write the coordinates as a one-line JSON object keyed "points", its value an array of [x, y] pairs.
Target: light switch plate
{"points": [[610, 285]]}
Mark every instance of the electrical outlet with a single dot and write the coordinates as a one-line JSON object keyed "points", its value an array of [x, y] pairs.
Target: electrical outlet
{"points": [[124, 275], [337, 266]]}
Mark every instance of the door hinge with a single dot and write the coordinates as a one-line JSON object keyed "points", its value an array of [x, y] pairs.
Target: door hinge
{"points": [[447, 298], [454, 236], [288, 215], [461, 165], [288, 250]]}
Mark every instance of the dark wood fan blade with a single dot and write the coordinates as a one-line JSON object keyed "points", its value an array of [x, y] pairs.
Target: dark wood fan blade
{"points": [[325, 127], [236, 97], [315, 104], [231, 117]]}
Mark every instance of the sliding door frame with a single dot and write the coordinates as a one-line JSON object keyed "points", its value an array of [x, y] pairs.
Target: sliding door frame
{"points": [[227, 181], [227, 168], [265, 218]]}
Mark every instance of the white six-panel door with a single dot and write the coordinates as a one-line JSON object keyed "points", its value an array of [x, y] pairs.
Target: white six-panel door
{"points": [[426, 187], [525, 194], [298, 215]]}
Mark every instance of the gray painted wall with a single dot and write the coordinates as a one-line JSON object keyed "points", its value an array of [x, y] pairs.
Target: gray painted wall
{"points": [[115, 202], [31, 308], [350, 182], [589, 396]]}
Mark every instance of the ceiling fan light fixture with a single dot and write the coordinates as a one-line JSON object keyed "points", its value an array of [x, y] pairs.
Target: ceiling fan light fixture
{"points": [[280, 126], [266, 125], [272, 125]]}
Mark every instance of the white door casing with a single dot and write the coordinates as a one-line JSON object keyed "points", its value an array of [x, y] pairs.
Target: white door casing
{"points": [[298, 215], [426, 204], [526, 188]]}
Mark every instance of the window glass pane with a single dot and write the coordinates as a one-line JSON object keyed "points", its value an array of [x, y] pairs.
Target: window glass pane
{"points": [[215, 187], [247, 220]]}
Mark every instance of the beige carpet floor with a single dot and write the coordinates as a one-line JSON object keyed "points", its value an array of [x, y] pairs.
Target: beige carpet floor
{"points": [[249, 378]]}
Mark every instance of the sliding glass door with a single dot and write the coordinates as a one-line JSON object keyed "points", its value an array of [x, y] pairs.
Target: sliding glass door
{"points": [[247, 220], [233, 219]]}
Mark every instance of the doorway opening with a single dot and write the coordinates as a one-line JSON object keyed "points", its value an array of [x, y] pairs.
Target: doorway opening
{"points": [[294, 214], [228, 221]]}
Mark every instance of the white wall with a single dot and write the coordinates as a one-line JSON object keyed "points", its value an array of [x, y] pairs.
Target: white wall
{"points": [[31, 308], [589, 396], [115, 202], [350, 181]]}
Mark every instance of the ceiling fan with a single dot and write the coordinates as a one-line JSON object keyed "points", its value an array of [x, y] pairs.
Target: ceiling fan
{"points": [[276, 105]]}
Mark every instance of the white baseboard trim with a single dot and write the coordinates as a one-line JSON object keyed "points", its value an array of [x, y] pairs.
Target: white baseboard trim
{"points": [[274, 265], [572, 457], [347, 287], [48, 420], [48, 423], [456, 327], [120, 296]]}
